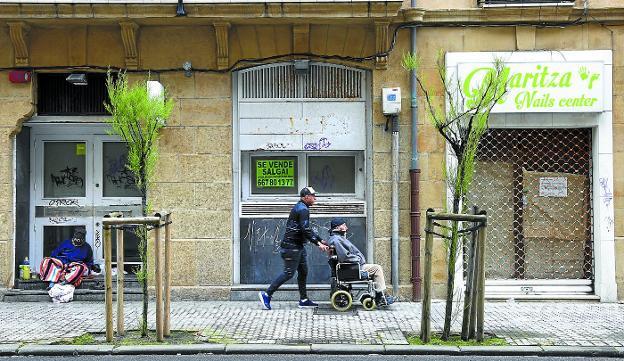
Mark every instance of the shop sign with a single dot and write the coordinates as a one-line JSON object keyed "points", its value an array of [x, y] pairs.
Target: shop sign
{"points": [[553, 187], [541, 87], [275, 173]]}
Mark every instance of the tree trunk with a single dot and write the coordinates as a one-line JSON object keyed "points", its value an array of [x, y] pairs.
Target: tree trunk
{"points": [[450, 281], [143, 251]]}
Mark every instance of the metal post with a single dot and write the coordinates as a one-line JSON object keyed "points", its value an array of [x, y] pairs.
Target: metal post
{"points": [[108, 283], [425, 322], [158, 277], [467, 321], [167, 330], [473, 287], [120, 282], [481, 280], [395, 205], [469, 289]]}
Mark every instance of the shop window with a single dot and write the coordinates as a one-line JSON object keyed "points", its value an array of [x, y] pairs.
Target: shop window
{"points": [[338, 174], [332, 174], [66, 178], [274, 175]]}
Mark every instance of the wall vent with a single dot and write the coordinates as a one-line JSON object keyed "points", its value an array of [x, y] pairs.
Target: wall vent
{"points": [[323, 81], [55, 96], [252, 209]]}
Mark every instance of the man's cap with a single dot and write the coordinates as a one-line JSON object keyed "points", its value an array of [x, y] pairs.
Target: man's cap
{"points": [[336, 222], [80, 233], [307, 191]]}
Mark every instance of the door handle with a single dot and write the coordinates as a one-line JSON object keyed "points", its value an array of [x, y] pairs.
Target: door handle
{"points": [[97, 185]]}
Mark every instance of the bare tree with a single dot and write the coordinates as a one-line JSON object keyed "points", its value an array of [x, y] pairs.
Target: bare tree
{"points": [[462, 121]]}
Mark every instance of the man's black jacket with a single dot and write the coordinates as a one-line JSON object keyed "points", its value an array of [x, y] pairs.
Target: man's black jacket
{"points": [[298, 229]]}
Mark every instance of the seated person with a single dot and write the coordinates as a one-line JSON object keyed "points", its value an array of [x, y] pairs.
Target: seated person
{"points": [[69, 261], [348, 252]]}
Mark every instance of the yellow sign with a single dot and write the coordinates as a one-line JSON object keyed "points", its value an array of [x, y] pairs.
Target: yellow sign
{"points": [[81, 149], [275, 173]]}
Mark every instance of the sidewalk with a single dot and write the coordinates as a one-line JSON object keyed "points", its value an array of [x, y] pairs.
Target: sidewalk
{"points": [[520, 323]]}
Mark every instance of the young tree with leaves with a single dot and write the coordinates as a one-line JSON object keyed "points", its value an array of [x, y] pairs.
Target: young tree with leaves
{"points": [[137, 117], [461, 123]]}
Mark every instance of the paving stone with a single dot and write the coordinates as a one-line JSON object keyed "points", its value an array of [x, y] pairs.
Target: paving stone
{"points": [[520, 323]]}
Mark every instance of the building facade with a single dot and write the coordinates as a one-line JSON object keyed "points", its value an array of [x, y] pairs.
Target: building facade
{"points": [[276, 96]]}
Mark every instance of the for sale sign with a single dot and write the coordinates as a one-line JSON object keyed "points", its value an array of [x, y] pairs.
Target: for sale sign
{"points": [[275, 173]]}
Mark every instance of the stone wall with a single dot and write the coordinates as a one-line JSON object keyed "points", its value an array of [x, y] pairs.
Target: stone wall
{"points": [[195, 168]]}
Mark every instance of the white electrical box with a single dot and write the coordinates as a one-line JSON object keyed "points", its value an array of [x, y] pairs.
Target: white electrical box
{"points": [[391, 102]]}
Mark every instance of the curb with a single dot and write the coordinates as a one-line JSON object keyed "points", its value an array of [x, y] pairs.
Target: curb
{"points": [[250, 348], [64, 350], [194, 349], [9, 349], [327, 349]]}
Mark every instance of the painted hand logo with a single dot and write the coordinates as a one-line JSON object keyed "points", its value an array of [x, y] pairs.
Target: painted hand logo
{"points": [[584, 73]]}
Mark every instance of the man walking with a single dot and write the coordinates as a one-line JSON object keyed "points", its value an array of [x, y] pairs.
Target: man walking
{"points": [[292, 250]]}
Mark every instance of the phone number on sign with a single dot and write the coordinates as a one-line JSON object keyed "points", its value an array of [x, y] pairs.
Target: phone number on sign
{"points": [[275, 182]]}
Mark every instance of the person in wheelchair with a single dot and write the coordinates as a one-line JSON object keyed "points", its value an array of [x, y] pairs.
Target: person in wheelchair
{"points": [[347, 252]]}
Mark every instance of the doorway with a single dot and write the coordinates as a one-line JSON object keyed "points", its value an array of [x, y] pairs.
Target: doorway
{"points": [[78, 174]]}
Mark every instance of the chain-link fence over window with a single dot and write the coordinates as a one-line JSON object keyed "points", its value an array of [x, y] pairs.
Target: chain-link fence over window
{"points": [[536, 187]]}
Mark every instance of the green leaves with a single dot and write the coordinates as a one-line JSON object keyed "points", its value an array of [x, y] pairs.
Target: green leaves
{"points": [[137, 118]]}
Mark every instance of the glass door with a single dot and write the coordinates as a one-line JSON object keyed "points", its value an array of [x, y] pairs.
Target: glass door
{"points": [[77, 179]]}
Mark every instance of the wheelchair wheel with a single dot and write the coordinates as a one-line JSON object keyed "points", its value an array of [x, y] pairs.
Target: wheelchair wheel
{"points": [[341, 300], [369, 304]]}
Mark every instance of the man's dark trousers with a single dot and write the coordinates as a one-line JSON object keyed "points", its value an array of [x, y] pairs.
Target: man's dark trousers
{"points": [[294, 260]]}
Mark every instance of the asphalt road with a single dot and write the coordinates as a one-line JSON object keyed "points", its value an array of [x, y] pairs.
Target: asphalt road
{"points": [[304, 358]]}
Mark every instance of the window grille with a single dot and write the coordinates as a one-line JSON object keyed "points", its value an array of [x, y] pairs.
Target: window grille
{"points": [[535, 185], [323, 81], [526, 2], [55, 96]]}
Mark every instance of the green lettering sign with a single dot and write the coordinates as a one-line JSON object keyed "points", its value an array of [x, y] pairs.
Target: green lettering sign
{"points": [[539, 87], [275, 173]]}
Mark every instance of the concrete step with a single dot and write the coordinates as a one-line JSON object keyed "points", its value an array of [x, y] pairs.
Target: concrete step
{"points": [[95, 283], [16, 295]]}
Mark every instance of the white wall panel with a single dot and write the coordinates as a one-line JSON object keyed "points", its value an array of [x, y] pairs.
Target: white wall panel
{"points": [[275, 109], [271, 142]]}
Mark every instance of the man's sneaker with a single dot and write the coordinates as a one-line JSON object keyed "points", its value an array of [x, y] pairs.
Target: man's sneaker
{"points": [[307, 303], [265, 299]]}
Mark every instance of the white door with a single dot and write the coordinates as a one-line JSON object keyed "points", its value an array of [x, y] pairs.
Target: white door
{"points": [[78, 176]]}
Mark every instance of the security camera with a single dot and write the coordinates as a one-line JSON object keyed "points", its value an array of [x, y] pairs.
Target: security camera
{"points": [[188, 69]]}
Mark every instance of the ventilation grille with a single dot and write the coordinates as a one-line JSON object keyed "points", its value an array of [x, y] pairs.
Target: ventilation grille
{"points": [[525, 2], [322, 82], [58, 97], [283, 209]]}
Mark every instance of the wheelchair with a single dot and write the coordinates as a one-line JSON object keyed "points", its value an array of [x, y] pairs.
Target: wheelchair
{"points": [[344, 275]]}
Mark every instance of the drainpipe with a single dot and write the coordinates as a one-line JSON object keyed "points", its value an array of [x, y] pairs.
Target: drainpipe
{"points": [[415, 178], [395, 205]]}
